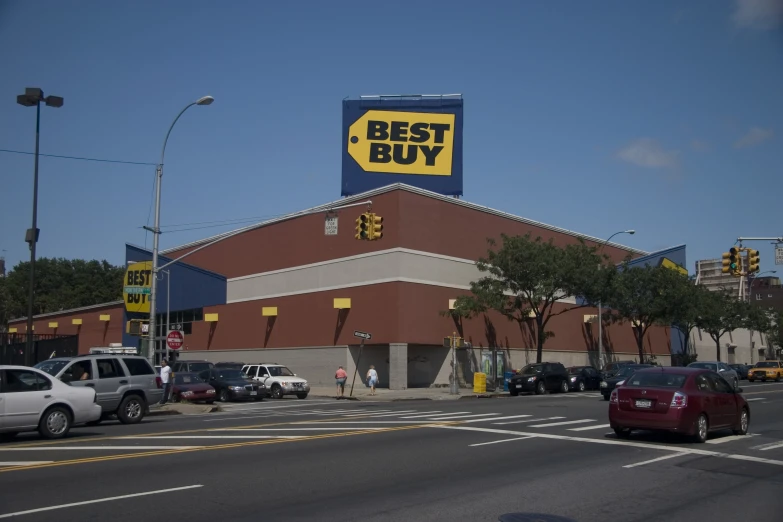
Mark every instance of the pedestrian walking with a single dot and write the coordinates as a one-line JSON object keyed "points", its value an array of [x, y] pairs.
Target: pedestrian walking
{"points": [[372, 379], [165, 379], [340, 376]]}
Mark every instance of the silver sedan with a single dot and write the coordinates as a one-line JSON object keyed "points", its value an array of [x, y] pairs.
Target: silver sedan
{"points": [[722, 369]]}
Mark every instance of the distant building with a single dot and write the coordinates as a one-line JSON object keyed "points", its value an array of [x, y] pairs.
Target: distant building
{"points": [[766, 292], [709, 275]]}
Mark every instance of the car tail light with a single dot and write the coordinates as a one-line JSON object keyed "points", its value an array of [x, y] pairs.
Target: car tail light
{"points": [[613, 397], [680, 400]]}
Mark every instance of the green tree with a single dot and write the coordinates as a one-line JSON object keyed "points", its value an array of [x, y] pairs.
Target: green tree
{"points": [[721, 313], [526, 277], [685, 303], [774, 330], [644, 296], [61, 284]]}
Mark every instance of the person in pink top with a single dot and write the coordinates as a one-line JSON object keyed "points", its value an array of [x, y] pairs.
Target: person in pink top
{"points": [[341, 377]]}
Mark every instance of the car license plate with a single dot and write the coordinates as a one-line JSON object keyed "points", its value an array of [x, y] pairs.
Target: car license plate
{"points": [[253, 393], [644, 404], [519, 385]]}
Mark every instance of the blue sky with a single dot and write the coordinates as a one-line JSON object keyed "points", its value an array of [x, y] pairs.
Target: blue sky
{"points": [[661, 116]]}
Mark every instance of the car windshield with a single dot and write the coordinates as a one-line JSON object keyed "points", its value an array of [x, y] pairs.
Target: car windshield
{"points": [[531, 369], [279, 371], [51, 367], [626, 371], [657, 379], [705, 366], [198, 367], [187, 378], [575, 369], [767, 364], [231, 374]]}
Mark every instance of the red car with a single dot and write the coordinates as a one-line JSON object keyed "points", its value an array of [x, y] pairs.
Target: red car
{"points": [[691, 401], [190, 387]]}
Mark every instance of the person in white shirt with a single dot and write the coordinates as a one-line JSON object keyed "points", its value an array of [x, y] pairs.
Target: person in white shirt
{"points": [[372, 379], [165, 378]]}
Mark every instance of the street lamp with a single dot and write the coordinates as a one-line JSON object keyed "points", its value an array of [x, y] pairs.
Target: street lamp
{"points": [[32, 97], [600, 320], [205, 100]]}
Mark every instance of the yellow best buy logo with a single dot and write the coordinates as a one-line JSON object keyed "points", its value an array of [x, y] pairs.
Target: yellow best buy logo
{"points": [[668, 263], [136, 290], [403, 142]]}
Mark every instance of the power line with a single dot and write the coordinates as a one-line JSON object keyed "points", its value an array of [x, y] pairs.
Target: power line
{"points": [[226, 221], [79, 158]]}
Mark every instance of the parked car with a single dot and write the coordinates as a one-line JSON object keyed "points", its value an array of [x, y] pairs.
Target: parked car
{"points": [[609, 384], [722, 368], [31, 400], [232, 365], [191, 366], [125, 384], [191, 387], [766, 370], [691, 401], [539, 378], [581, 378], [611, 369], [232, 384], [741, 369], [278, 379]]}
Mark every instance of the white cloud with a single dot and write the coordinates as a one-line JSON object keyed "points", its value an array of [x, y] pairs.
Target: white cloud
{"points": [[646, 152], [758, 14], [754, 136]]}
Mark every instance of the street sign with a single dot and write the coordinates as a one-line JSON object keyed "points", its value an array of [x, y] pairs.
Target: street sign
{"points": [[362, 335], [174, 340], [779, 255], [330, 227], [175, 326]]}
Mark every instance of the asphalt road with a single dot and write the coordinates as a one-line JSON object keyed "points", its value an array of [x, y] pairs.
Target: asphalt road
{"points": [[466, 460]]}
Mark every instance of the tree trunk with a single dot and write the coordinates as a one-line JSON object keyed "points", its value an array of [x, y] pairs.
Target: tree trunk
{"points": [[717, 348], [540, 342], [639, 333]]}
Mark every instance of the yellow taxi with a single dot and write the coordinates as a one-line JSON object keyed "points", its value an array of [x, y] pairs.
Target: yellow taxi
{"points": [[766, 371]]}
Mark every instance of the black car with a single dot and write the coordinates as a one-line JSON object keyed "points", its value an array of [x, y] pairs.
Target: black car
{"points": [[231, 365], [191, 366], [581, 378], [539, 378], [232, 384], [609, 384], [611, 369], [741, 369]]}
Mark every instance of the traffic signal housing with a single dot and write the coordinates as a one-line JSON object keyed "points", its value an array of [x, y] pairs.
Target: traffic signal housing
{"points": [[735, 262], [363, 226], [754, 261], [726, 263], [376, 227]]}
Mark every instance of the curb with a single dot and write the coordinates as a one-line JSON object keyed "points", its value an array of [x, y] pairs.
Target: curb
{"points": [[487, 396]]}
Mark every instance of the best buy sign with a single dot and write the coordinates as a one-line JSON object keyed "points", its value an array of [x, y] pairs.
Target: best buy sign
{"points": [[136, 290], [403, 142]]}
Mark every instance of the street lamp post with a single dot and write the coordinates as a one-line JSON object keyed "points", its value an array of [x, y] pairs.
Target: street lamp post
{"points": [[206, 100], [600, 319], [32, 97]]}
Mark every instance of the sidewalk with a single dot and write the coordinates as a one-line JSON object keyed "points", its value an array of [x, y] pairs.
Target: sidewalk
{"points": [[362, 393]]}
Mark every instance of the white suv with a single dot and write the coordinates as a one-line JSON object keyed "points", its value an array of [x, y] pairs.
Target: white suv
{"points": [[279, 380]]}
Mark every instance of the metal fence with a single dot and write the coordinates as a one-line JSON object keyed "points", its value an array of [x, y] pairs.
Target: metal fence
{"points": [[45, 346]]}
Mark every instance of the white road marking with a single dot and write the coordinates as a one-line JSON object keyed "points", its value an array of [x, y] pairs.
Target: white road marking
{"points": [[654, 460], [564, 423], [455, 417], [96, 501], [585, 428], [756, 399], [757, 385], [385, 414], [422, 416], [528, 420], [770, 446], [731, 438], [295, 429], [498, 418], [612, 442], [99, 448], [497, 441], [26, 463]]}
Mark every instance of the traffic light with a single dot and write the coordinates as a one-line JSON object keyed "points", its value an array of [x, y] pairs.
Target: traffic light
{"points": [[726, 263], [753, 261], [136, 326], [735, 262], [376, 227], [363, 226]]}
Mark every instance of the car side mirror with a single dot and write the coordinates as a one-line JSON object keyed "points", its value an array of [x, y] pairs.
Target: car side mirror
{"points": [[738, 390], [294, 375]]}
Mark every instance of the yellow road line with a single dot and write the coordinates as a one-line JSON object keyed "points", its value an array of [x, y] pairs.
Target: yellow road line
{"points": [[202, 448]]}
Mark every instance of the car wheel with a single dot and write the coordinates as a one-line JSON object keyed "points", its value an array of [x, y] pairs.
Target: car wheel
{"points": [[751, 380], [301, 395], [277, 392], [131, 410], [622, 433], [540, 388], [606, 397], [210, 402], [223, 395], [564, 387], [55, 423], [744, 422], [581, 386], [702, 429], [513, 391]]}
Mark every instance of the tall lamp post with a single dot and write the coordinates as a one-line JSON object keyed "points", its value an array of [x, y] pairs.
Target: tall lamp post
{"points": [[32, 97], [600, 319], [206, 100]]}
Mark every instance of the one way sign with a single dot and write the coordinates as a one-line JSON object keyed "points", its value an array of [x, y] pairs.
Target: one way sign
{"points": [[362, 335]]}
